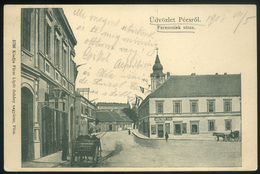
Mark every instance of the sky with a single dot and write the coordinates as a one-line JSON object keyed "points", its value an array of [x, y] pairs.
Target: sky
{"points": [[116, 45]]}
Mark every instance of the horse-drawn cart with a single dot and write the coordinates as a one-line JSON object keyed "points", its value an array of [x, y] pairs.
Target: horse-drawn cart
{"points": [[228, 137], [85, 147]]}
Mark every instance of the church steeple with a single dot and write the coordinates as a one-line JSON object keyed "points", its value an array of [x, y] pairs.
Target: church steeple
{"points": [[157, 67], [157, 77]]}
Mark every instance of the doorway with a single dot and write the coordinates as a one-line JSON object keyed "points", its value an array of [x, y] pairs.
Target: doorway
{"points": [[167, 128], [27, 124], [160, 131], [110, 127]]}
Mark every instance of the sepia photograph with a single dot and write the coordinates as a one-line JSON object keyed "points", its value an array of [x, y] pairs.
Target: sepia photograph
{"points": [[130, 87]]}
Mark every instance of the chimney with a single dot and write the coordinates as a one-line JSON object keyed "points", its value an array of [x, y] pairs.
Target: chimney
{"points": [[168, 75]]}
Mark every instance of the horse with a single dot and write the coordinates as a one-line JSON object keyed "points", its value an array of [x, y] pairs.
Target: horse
{"points": [[219, 135]]}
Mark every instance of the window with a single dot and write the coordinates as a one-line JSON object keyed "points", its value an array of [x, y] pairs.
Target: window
{"points": [[64, 61], [47, 68], [227, 105], [194, 127], [63, 82], [194, 106], [56, 104], [211, 105], [228, 124], [153, 129], [159, 107], [211, 125], [26, 28], [184, 128], [56, 76], [63, 106], [177, 128], [177, 107], [82, 110], [57, 52], [47, 40], [86, 111], [46, 97]]}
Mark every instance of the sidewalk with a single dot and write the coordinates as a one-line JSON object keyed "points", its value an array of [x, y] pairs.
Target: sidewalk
{"points": [[177, 137], [53, 160]]}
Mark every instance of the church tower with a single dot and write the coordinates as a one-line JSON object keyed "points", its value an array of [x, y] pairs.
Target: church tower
{"points": [[157, 77]]}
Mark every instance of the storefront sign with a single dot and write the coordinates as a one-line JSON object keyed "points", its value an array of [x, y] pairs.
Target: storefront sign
{"points": [[162, 119]]}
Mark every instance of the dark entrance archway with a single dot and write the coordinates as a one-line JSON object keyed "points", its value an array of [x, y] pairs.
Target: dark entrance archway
{"points": [[27, 124]]}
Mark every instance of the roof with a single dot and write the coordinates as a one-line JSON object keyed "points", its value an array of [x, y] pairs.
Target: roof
{"points": [[112, 104], [198, 86], [157, 66], [108, 116]]}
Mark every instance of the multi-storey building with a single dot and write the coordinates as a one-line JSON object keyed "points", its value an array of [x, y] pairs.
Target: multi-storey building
{"points": [[190, 104], [85, 116], [48, 74]]}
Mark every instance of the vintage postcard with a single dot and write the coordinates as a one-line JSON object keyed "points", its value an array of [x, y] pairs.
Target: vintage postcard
{"points": [[130, 88]]}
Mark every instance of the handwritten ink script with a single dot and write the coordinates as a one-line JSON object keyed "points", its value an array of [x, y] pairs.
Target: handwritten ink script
{"points": [[190, 25], [118, 55], [239, 18]]}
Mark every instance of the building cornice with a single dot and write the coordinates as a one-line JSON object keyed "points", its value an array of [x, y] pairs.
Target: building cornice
{"points": [[60, 13]]}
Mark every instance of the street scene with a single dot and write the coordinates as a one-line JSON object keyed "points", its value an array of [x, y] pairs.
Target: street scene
{"points": [[100, 91], [122, 150]]}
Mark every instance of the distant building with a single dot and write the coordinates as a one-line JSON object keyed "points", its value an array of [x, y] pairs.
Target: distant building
{"points": [[116, 107], [112, 121], [85, 116], [190, 104], [48, 74]]}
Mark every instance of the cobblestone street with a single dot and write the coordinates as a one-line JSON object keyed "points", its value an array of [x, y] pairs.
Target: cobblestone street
{"points": [[128, 151], [122, 150]]}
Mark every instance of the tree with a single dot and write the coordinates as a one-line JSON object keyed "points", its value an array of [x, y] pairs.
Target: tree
{"points": [[131, 114]]}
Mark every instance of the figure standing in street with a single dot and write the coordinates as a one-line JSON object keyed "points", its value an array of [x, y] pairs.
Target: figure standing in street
{"points": [[166, 136], [129, 132], [65, 145]]}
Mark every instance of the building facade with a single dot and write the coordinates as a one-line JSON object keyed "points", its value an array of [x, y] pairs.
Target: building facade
{"points": [[85, 116], [112, 121], [191, 104], [48, 74], [112, 118]]}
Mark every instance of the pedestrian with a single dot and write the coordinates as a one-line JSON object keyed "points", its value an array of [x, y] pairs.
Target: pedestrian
{"points": [[166, 136], [129, 132], [65, 145]]}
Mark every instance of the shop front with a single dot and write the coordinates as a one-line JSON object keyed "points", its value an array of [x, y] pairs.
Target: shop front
{"points": [[54, 124]]}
